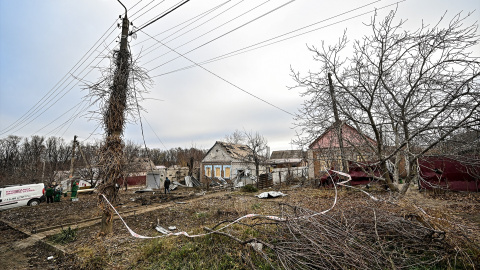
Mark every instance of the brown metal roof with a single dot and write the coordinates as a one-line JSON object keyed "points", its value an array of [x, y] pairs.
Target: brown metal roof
{"points": [[287, 154], [237, 151]]}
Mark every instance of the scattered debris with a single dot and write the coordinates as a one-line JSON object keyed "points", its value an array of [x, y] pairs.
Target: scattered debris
{"points": [[162, 230], [256, 246], [50, 258], [270, 194], [178, 183], [240, 184], [172, 228], [144, 190], [180, 202], [201, 193]]}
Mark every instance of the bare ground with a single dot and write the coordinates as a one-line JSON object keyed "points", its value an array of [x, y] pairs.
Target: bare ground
{"points": [[188, 211]]}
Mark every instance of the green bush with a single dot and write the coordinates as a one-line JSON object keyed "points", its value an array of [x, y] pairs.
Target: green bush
{"points": [[65, 236], [249, 188]]}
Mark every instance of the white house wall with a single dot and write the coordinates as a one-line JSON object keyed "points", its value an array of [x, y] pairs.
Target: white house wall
{"points": [[280, 174], [311, 162], [217, 153]]}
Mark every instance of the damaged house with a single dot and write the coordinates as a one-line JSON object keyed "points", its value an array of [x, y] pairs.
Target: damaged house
{"points": [[288, 164], [324, 152], [228, 162]]}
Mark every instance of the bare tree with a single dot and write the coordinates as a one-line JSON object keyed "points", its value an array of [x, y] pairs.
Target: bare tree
{"points": [[236, 137], [57, 157], [408, 90], [10, 159], [259, 149]]}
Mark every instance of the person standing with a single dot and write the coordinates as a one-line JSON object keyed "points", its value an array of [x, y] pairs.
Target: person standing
{"points": [[74, 190], [166, 184], [49, 193], [57, 194]]}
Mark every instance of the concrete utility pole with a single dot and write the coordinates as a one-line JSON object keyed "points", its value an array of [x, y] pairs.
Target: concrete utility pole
{"points": [[338, 123], [114, 120], [73, 156]]}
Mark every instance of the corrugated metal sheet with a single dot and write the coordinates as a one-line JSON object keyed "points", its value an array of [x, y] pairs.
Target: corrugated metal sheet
{"points": [[449, 173]]}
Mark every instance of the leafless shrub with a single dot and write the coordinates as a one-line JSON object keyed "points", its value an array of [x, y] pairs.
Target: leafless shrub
{"points": [[364, 237]]}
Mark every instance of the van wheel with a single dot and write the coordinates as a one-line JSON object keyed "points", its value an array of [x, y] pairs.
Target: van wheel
{"points": [[33, 202]]}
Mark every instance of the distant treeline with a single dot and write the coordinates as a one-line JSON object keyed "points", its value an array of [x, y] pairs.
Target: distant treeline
{"points": [[39, 159]]}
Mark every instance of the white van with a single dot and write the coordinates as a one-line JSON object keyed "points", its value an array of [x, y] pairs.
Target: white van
{"points": [[21, 195]]}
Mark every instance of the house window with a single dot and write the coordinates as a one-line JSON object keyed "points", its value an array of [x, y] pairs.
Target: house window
{"points": [[226, 171], [208, 171], [240, 173], [323, 165], [339, 164], [218, 171]]}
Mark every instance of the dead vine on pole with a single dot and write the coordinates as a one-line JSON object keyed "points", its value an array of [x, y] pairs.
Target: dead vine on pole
{"points": [[117, 94]]}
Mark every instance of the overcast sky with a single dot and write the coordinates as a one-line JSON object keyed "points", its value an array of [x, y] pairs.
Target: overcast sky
{"points": [[45, 50]]}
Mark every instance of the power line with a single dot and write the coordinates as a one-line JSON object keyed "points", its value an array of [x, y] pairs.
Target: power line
{"points": [[145, 11], [156, 44], [60, 116], [155, 133], [58, 99], [209, 30], [221, 78], [44, 99], [75, 116], [48, 96], [161, 16], [201, 15], [135, 5], [236, 28], [243, 50], [93, 132]]}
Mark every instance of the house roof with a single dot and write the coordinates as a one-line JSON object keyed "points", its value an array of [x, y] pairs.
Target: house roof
{"points": [[236, 151], [287, 154], [350, 136]]}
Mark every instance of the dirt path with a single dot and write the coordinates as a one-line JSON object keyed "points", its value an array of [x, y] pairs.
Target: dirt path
{"points": [[22, 246]]}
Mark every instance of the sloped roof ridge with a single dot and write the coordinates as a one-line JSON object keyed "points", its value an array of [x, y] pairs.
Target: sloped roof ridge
{"points": [[285, 154], [238, 151]]}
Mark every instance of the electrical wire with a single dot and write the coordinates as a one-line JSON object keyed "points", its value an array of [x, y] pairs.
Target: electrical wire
{"points": [[161, 16], [91, 133], [135, 5], [201, 15], [155, 133], [229, 32], [55, 88], [157, 45], [243, 50], [58, 99], [46, 99], [149, 10], [60, 116], [221, 78]]}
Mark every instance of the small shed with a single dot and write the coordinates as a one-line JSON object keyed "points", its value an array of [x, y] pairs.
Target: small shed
{"points": [[288, 159], [155, 179]]}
